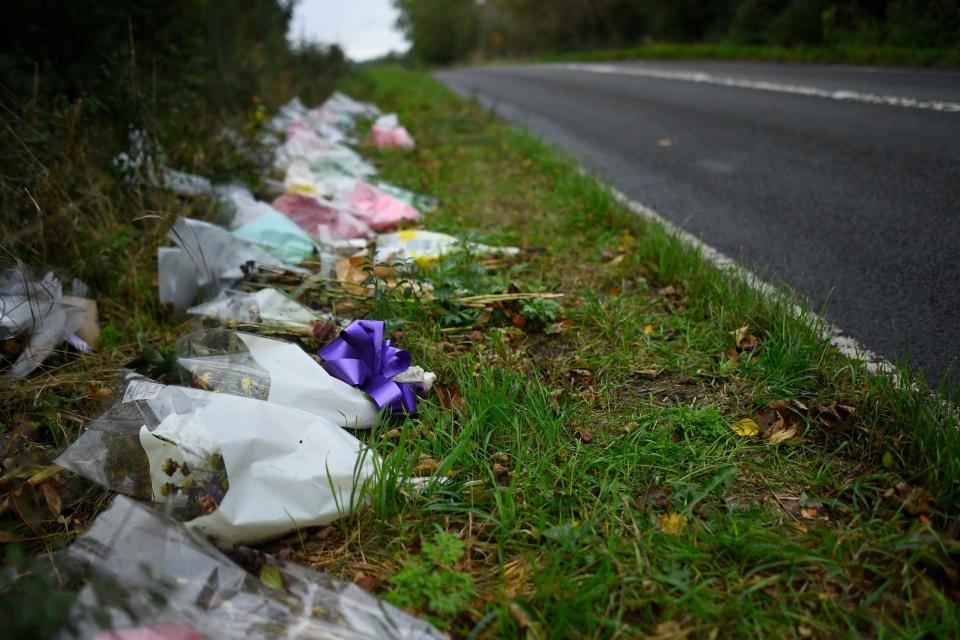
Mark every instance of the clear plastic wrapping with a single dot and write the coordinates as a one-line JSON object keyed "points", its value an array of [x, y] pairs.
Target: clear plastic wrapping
{"points": [[277, 371], [268, 307], [238, 469], [208, 259], [34, 318], [149, 577]]}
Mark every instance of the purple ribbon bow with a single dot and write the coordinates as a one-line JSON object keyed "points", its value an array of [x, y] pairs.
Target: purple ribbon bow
{"points": [[361, 357]]}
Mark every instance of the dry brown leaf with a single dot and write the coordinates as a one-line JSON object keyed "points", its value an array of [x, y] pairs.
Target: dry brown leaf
{"points": [[501, 456], [780, 430], [656, 497], [744, 339], [584, 434], [833, 415], [776, 436], [809, 513], [426, 466], [649, 372], [365, 582], [23, 511], [51, 497], [627, 428], [393, 434], [500, 469]]}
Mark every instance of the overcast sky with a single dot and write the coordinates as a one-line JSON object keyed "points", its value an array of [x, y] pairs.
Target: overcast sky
{"points": [[362, 28]]}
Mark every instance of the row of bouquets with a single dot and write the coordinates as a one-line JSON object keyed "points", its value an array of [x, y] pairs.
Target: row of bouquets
{"points": [[261, 444]]}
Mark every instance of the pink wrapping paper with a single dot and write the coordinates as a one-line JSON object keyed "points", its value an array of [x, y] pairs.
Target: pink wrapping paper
{"points": [[311, 214], [380, 211], [392, 138]]}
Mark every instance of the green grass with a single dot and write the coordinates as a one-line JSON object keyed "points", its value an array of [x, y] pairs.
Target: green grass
{"points": [[593, 486], [847, 528], [853, 54]]}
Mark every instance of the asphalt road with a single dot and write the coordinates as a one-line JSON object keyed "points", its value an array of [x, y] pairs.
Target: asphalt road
{"points": [[843, 182]]}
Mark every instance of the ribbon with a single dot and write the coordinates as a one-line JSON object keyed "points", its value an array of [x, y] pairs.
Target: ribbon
{"points": [[361, 357]]}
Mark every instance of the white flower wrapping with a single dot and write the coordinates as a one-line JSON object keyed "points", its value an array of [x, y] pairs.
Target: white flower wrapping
{"points": [[281, 372], [237, 469]]}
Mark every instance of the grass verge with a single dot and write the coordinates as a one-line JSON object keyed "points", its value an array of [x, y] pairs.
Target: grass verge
{"points": [[594, 484], [851, 54]]}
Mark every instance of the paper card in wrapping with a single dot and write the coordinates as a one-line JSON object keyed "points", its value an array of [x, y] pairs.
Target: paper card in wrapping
{"points": [[425, 247], [256, 470], [273, 370], [34, 319], [131, 554], [267, 306]]}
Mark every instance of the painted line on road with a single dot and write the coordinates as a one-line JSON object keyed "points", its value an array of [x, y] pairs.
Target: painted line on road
{"points": [[846, 345], [762, 85]]}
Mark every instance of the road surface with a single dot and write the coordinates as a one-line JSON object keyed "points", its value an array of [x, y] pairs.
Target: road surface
{"points": [[842, 182]]}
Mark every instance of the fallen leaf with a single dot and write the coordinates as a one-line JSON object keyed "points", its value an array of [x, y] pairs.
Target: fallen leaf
{"points": [[584, 434], [51, 497], [500, 456], [655, 497], [809, 513], [365, 582], [425, 466], [744, 339], [673, 524], [393, 434], [7, 537], [804, 631], [588, 396], [627, 428], [745, 427], [270, 577], [24, 512], [649, 372], [500, 470], [833, 415], [614, 262], [776, 436], [518, 321], [649, 330]]}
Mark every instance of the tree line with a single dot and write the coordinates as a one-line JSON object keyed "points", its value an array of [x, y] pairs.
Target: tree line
{"points": [[444, 31]]}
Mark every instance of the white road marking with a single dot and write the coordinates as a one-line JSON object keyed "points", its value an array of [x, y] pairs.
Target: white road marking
{"points": [[846, 345], [763, 85]]}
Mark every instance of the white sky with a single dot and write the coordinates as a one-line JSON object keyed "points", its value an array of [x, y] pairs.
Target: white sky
{"points": [[364, 29]]}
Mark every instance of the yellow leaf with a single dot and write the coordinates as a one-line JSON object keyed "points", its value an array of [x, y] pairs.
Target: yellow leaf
{"points": [[745, 427], [649, 330], [673, 523]]}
